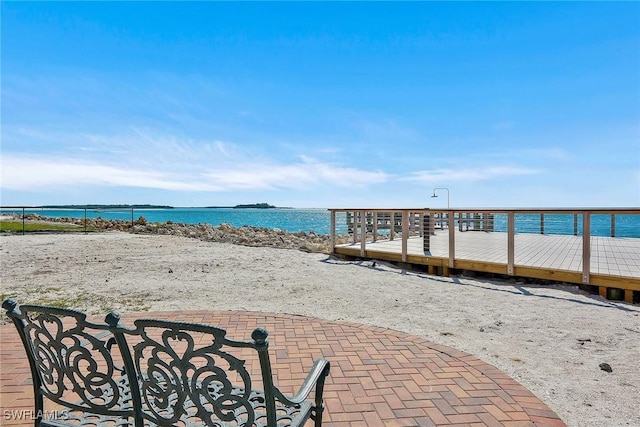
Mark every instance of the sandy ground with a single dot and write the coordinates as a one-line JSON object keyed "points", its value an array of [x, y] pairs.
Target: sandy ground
{"points": [[551, 339]]}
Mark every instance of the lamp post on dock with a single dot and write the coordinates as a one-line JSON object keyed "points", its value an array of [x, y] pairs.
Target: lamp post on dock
{"points": [[441, 188]]}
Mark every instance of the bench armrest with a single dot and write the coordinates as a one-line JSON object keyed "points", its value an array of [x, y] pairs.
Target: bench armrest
{"points": [[315, 378]]}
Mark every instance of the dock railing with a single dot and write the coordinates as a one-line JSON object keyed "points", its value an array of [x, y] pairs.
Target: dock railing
{"points": [[597, 247]]}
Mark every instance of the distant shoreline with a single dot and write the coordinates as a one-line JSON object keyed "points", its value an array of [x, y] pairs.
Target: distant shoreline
{"points": [[148, 206], [105, 207]]}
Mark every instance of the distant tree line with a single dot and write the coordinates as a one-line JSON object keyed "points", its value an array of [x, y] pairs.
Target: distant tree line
{"points": [[146, 206], [255, 205]]}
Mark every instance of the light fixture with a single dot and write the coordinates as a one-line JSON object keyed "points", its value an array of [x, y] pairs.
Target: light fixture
{"points": [[441, 188]]}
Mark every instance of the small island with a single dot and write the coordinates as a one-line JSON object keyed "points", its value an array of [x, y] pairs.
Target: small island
{"points": [[248, 206], [255, 206]]}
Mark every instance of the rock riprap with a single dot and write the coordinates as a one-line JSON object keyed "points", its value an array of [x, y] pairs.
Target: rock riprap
{"points": [[225, 233]]}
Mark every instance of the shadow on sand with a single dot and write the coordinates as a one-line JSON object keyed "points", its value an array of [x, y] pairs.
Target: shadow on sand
{"points": [[495, 285]]}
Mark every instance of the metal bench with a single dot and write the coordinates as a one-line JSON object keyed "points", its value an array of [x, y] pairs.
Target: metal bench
{"points": [[156, 373]]}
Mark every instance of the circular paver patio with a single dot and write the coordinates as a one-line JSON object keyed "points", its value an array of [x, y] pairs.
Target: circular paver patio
{"points": [[379, 377]]}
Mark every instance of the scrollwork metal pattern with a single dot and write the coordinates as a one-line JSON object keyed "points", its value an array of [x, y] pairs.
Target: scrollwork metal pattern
{"points": [[180, 379], [76, 368], [181, 371]]}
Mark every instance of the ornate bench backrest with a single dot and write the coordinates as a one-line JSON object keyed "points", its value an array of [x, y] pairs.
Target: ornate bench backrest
{"points": [[159, 372], [192, 373], [71, 360]]}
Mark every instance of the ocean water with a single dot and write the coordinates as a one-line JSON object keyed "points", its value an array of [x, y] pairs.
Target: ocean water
{"points": [[292, 220], [563, 224], [319, 220]]}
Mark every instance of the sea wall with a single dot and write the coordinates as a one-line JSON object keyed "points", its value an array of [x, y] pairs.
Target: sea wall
{"points": [[225, 233]]}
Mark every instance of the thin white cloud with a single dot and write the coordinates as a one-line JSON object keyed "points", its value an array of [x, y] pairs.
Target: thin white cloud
{"points": [[145, 159], [223, 148], [296, 176], [468, 174], [30, 174], [143, 148]]}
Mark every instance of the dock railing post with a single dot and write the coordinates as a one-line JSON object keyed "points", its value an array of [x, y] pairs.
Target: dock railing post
{"points": [[392, 225], [586, 247], [511, 242], [375, 226], [426, 231], [432, 224], [363, 233], [452, 238], [333, 230], [355, 227], [405, 234]]}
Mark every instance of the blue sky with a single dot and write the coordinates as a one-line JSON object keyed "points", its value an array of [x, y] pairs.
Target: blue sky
{"points": [[349, 104]]}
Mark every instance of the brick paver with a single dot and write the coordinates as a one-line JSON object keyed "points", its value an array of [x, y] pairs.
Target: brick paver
{"points": [[378, 376]]}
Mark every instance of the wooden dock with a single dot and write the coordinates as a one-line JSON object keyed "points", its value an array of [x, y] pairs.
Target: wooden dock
{"points": [[609, 265]]}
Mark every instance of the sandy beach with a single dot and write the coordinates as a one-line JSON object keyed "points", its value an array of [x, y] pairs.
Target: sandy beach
{"points": [[551, 339]]}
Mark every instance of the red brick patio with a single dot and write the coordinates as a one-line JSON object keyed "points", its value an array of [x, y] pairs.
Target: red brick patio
{"points": [[379, 377]]}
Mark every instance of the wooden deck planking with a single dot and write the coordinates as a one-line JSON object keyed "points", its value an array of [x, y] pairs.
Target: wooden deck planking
{"points": [[618, 257]]}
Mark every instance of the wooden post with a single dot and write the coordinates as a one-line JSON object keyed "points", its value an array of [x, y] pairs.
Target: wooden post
{"points": [[511, 242], [392, 228], [628, 296], [355, 227], [405, 234], [586, 247], [363, 233], [333, 231], [452, 241], [375, 226], [432, 224]]}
